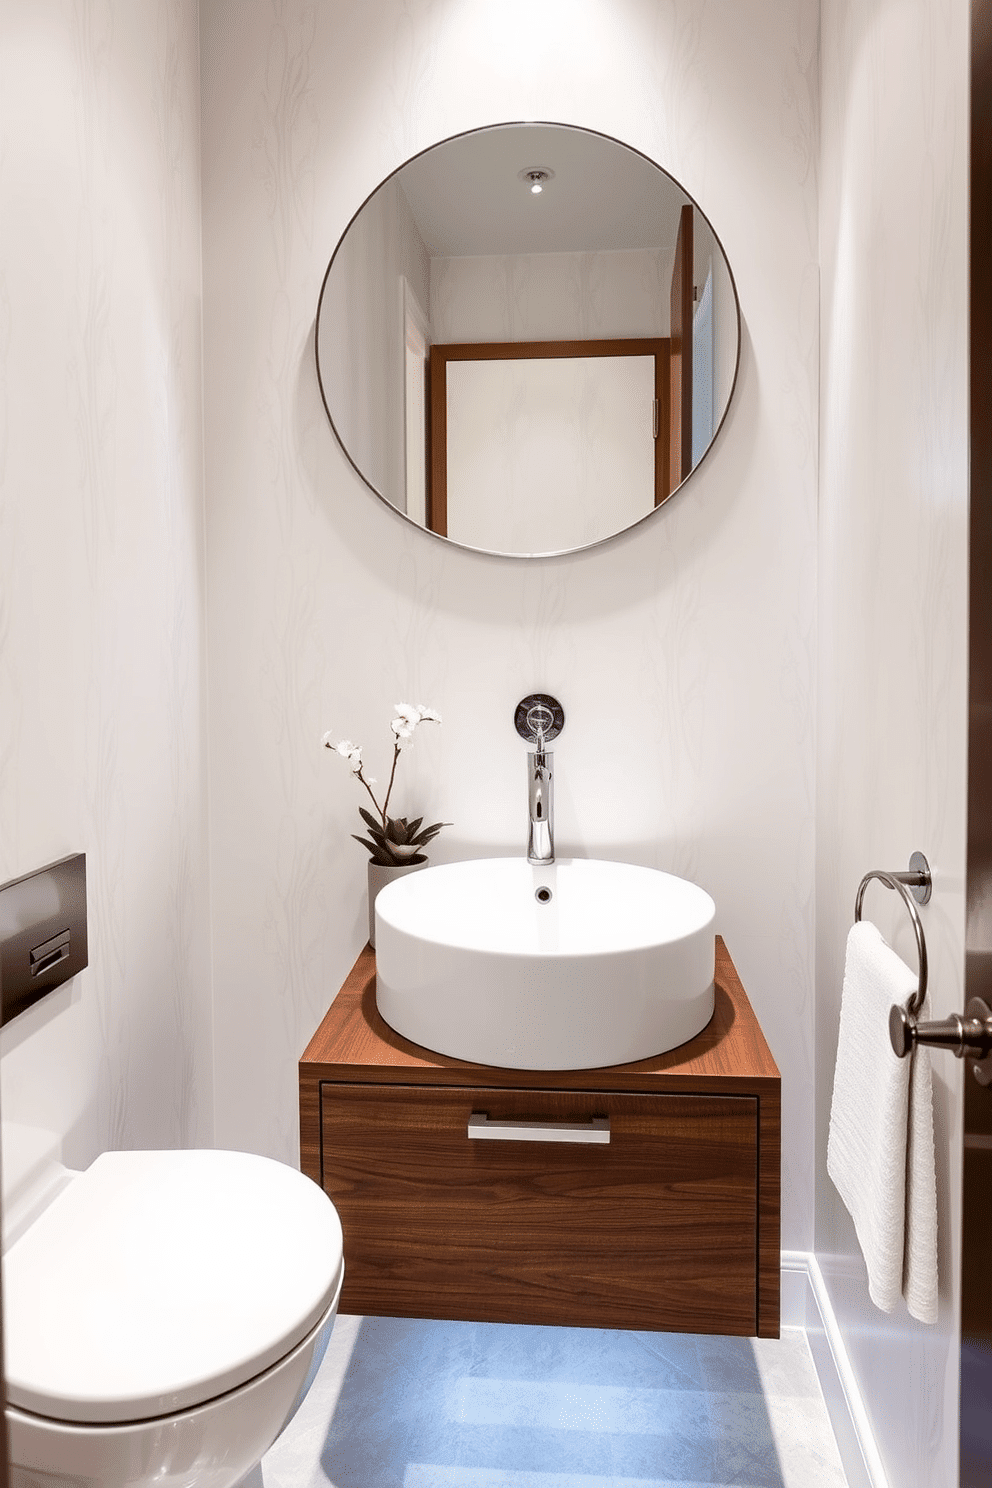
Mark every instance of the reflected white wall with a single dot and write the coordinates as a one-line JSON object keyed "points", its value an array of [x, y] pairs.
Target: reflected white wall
{"points": [[893, 615], [552, 296], [546, 454], [362, 333]]}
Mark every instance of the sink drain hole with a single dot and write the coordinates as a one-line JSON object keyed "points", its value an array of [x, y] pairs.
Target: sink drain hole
{"points": [[542, 895]]}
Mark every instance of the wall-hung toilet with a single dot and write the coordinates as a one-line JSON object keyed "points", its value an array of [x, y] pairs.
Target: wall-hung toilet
{"points": [[164, 1314]]}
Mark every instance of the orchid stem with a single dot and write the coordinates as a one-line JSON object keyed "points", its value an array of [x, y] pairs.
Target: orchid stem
{"points": [[375, 803], [392, 777]]}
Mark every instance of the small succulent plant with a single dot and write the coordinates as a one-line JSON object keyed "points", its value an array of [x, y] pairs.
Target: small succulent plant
{"points": [[398, 843], [392, 842]]}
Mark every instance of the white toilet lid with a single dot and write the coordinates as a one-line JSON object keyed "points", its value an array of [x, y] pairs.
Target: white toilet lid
{"points": [[158, 1280]]}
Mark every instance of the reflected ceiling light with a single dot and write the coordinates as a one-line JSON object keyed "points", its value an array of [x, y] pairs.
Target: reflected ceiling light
{"points": [[535, 177]]}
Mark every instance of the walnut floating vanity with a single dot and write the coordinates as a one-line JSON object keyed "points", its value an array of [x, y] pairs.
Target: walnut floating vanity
{"points": [[649, 1200]]}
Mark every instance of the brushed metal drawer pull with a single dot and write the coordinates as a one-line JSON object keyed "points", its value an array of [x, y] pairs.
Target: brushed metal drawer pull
{"points": [[596, 1129]]}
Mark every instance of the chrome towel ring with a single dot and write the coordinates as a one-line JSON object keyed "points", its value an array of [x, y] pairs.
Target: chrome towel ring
{"points": [[968, 1036], [914, 887]]}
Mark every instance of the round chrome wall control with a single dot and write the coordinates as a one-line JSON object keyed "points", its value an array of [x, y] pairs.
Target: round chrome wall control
{"points": [[539, 716]]}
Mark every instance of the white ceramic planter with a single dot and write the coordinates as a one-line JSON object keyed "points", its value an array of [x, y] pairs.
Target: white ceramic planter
{"points": [[379, 877]]}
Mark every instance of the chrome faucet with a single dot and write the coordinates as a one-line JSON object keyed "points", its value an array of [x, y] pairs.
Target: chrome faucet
{"points": [[539, 719], [541, 801]]}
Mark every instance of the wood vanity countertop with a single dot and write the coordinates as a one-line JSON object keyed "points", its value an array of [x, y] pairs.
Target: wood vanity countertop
{"points": [[353, 1043]]}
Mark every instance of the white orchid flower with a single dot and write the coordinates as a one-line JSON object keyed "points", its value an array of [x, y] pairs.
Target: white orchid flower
{"points": [[403, 725], [408, 716], [352, 753]]}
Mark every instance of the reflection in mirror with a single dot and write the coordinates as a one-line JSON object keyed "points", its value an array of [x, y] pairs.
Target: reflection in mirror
{"points": [[541, 446], [527, 371]]}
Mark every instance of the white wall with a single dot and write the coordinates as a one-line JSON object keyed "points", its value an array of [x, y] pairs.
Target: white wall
{"points": [[101, 665], [893, 614], [683, 654]]}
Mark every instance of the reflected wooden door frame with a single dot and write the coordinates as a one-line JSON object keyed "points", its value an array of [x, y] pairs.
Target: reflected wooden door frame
{"points": [[441, 353], [681, 313]]}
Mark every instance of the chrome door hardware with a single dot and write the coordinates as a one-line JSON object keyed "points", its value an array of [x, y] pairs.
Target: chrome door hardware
{"points": [[970, 1036]]}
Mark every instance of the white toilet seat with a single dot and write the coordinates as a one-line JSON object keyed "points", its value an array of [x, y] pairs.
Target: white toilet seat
{"points": [[158, 1281], [214, 1445]]}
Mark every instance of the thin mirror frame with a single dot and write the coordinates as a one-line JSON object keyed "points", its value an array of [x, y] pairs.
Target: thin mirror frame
{"points": [[641, 521]]}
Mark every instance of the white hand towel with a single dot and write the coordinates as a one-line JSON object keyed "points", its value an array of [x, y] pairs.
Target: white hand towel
{"points": [[880, 1152]]}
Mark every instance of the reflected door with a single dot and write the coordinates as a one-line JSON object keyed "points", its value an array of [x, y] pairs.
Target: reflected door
{"points": [[544, 448]]}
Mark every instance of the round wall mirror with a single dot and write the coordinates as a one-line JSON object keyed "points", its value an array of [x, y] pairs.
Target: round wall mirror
{"points": [[527, 339]]}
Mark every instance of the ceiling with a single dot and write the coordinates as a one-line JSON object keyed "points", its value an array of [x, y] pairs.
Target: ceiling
{"points": [[467, 198]]}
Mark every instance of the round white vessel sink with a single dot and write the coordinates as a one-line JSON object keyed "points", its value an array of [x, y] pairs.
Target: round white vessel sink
{"points": [[576, 965]]}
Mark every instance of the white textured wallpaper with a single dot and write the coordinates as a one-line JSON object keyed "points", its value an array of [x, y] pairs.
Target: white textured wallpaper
{"points": [[893, 617], [683, 654], [101, 565]]}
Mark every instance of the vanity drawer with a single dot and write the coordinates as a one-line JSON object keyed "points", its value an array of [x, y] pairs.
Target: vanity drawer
{"points": [[654, 1229]]}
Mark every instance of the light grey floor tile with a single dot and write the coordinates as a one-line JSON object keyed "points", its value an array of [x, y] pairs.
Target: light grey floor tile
{"points": [[785, 1365], [411, 1404], [294, 1460]]}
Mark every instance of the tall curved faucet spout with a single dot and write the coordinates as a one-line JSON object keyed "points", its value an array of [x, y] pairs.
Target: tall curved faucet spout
{"points": [[540, 801], [539, 719]]}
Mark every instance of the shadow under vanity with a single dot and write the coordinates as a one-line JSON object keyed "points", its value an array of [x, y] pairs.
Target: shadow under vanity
{"points": [[672, 1224]]}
